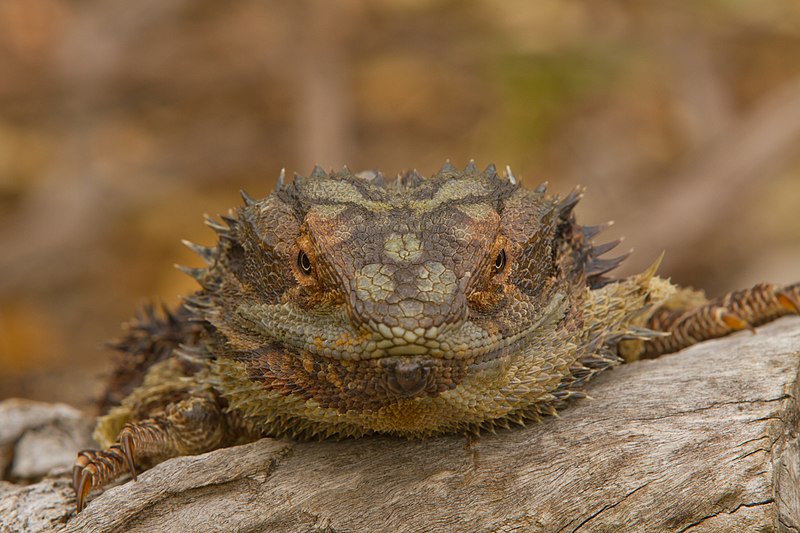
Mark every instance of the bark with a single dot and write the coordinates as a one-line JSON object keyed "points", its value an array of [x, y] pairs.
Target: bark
{"points": [[702, 440]]}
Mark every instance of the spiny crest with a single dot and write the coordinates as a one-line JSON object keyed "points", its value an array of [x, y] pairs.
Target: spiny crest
{"points": [[580, 237], [403, 181], [448, 170], [206, 253], [567, 205], [248, 200], [210, 254], [280, 183]]}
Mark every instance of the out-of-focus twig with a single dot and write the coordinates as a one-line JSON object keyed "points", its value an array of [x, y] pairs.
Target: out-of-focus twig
{"points": [[323, 116], [702, 195]]}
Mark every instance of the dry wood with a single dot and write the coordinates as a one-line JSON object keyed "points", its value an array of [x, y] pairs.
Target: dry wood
{"points": [[703, 440]]}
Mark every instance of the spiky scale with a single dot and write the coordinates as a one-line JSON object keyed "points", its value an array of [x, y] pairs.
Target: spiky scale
{"points": [[448, 168], [196, 273], [205, 253], [590, 232], [566, 206], [216, 226], [246, 198], [602, 266], [318, 172], [280, 183], [600, 249], [229, 220], [510, 175]]}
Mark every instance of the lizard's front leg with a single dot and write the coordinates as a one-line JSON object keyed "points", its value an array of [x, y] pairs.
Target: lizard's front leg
{"points": [[188, 427], [734, 311]]}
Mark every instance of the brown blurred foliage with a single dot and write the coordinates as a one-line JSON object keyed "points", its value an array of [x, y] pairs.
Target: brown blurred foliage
{"points": [[121, 123]]}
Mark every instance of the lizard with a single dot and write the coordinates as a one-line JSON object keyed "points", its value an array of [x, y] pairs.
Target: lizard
{"points": [[346, 305]]}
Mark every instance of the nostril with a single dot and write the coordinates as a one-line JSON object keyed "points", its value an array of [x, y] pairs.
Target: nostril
{"points": [[408, 378]]}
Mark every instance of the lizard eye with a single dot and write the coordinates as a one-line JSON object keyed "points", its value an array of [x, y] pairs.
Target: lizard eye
{"points": [[500, 262], [304, 262]]}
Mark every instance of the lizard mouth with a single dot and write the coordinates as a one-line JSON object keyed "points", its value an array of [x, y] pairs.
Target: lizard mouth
{"points": [[343, 341], [367, 384], [372, 382]]}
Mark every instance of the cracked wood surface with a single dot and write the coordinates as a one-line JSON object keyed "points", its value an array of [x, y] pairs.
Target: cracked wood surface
{"points": [[702, 440]]}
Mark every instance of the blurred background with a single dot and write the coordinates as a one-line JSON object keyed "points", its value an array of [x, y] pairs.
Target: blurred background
{"points": [[122, 122]]}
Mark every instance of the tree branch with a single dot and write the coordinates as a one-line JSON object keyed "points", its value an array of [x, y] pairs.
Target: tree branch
{"points": [[705, 438]]}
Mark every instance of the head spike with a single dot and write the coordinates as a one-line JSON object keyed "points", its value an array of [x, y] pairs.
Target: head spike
{"points": [[490, 171], [207, 254], [448, 168], [196, 273], [566, 205], [412, 179], [600, 249], [510, 175], [590, 232], [281, 180], [596, 267], [229, 220], [371, 176], [216, 226], [542, 188], [652, 269], [248, 200], [318, 172], [471, 168]]}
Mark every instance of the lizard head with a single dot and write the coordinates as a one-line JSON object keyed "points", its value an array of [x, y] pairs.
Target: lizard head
{"points": [[381, 297]]}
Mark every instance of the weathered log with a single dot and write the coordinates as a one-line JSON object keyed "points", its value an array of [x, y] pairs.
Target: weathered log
{"points": [[702, 440]]}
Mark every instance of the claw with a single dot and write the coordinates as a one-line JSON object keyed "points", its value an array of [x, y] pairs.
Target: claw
{"points": [[76, 472], [788, 301], [732, 320], [83, 489], [80, 465], [127, 453], [76, 477]]}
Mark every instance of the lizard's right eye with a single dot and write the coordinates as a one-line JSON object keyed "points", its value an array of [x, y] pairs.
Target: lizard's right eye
{"points": [[304, 263]]}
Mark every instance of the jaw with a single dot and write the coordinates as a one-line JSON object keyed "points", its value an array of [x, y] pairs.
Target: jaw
{"points": [[340, 383], [336, 337], [406, 395], [278, 401]]}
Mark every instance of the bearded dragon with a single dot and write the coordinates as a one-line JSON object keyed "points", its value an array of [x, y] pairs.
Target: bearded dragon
{"points": [[347, 305]]}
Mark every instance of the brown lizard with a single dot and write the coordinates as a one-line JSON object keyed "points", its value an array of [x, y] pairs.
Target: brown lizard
{"points": [[346, 305]]}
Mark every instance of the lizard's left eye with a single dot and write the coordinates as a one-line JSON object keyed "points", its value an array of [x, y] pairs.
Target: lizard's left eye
{"points": [[304, 263], [500, 262]]}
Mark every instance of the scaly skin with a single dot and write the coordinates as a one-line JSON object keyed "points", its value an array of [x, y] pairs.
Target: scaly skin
{"points": [[344, 306]]}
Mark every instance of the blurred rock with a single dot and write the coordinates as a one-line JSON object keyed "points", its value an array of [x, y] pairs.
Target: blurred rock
{"points": [[38, 438]]}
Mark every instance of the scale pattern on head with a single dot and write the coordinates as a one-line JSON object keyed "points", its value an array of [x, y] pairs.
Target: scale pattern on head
{"points": [[396, 305]]}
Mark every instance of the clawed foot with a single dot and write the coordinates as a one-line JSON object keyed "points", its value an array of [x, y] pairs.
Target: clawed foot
{"points": [[789, 298], [96, 468], [735, 311], [191, 426]]}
